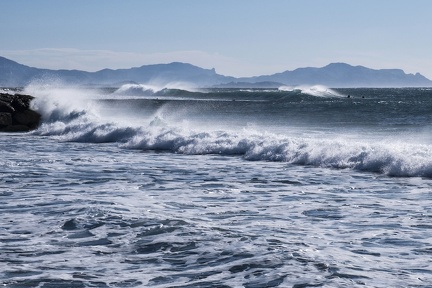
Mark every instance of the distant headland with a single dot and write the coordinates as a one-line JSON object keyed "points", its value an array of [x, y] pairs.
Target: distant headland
{"points": [[336, 75]]}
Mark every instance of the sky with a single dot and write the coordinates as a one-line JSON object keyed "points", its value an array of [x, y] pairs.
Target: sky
{"points": [[236, 37]]}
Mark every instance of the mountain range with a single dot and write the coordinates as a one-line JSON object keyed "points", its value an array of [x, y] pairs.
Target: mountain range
{"points": [[13, 74]]}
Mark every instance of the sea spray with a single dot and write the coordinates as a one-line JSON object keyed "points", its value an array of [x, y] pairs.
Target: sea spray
{"points": [[314, 90]]}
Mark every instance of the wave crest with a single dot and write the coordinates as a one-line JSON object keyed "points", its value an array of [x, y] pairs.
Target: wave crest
{"points": [[152, 89], [315, 90]]}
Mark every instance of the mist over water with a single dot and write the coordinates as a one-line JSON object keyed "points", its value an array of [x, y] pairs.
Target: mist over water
{"points": [[143, 186]]}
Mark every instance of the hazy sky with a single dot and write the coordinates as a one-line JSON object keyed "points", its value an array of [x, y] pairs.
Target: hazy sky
{"points": [[237, 37]]}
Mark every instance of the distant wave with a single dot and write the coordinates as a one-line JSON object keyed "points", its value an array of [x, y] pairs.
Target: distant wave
{"points": [[69, 119], [316, 90], [179, 89], [151, 90], [136, 89]]}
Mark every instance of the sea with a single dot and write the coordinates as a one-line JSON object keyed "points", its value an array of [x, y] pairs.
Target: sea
{"points": [[144, 186]]}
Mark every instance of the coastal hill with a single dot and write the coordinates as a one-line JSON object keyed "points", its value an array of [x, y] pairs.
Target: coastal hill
{"points": [[344, 75], [13, 74]]}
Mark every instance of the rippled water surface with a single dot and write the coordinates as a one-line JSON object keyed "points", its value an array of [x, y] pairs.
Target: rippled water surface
{"points": [[97, 215]]}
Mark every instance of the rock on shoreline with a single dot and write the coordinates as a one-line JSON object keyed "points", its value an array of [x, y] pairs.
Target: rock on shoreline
{"points": [[16, 115]]}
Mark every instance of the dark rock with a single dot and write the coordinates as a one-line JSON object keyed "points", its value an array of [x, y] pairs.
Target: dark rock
{"points": [[15, 113], [6, 98], [16, 128], [21, 102], [6, 107], [5, 119], [27, 117]]}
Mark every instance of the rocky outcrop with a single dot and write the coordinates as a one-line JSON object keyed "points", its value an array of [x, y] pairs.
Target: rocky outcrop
{"points": [[16, 115]]}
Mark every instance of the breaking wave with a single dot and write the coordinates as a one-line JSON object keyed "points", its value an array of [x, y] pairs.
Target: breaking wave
{"points": [[316, 90], [73, 119], [181, 89], [150, 90]]}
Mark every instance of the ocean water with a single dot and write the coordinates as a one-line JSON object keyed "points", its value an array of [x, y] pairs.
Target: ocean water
{"points": [[141, 186]]}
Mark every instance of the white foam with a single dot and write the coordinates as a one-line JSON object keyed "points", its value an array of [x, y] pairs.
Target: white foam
{"points": [[141, 89], [315, 90], [149, 89], [7, 91]]}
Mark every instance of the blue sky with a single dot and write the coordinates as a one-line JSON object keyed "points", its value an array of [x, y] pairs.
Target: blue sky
{"points": [[237, 37]]}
